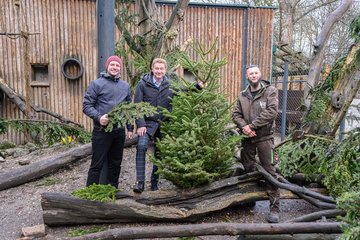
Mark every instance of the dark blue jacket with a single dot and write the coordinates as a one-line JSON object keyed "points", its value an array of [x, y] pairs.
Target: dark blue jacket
{"points": [[103, 94], [160, 97]]}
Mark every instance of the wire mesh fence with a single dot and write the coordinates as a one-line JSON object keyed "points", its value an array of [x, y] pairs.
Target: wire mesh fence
{"points": [[291, 86]]}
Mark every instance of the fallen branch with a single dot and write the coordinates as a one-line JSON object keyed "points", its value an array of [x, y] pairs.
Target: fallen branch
{"points": [[294, 188], [24, 174], [206, 229], [313, 201], [20, 102], [309, 236], [318, 215]]}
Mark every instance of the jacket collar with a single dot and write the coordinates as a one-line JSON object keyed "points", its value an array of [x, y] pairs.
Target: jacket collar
{"points": [[148, 79], [263, 85], [109, 77]]}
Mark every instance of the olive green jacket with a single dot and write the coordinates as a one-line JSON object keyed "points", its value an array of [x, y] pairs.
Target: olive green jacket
{"points": [[259, 112]]}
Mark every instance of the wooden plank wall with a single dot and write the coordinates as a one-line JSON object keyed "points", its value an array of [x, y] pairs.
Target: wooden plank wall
{"points": [[205, 24], [68, 29]]}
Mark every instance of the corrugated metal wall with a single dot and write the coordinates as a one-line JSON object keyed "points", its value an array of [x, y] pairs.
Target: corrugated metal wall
{"points": [[67, 28]]}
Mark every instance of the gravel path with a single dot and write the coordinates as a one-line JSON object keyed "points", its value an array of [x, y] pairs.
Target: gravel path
{"points": [[20, 206]]}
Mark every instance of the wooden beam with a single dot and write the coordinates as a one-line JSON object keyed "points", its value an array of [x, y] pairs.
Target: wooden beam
{"points": [[206, 229]]}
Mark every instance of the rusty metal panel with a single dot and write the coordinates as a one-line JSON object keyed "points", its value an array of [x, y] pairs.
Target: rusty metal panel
{"points": [[67, 28]]}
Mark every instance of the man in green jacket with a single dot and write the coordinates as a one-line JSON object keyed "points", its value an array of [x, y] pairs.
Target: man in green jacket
{"points": [[254, 114]]}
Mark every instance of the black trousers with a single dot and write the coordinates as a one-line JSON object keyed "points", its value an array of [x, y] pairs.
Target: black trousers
{"points": [[107, 147]]}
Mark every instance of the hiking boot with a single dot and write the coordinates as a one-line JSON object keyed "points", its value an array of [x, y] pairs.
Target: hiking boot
{"points": [[154, 186], [272, 217], [139, 187]]}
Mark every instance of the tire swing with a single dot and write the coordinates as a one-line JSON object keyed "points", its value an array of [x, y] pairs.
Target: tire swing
{"points": [[72, 69]]}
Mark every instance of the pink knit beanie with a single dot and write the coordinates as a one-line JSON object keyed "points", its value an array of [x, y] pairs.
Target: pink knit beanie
{"points": [[112, 58]]}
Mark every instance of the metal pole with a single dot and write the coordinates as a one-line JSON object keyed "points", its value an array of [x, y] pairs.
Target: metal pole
{"points": [[342, 129], [284, 100], [105, 23], [244, 50]]}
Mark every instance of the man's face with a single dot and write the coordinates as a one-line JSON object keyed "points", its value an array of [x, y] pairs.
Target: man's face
{"points": [[114, 68], [159, 70], [254, 76]]}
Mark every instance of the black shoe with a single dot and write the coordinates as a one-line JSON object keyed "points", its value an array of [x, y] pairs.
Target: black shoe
{"points": [[139, 187], [249, 204], [154, 186]]}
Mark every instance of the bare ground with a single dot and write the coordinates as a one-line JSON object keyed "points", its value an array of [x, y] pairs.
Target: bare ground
{"points": [[20, 206]]}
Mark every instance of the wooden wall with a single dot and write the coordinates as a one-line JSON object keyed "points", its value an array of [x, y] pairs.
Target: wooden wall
{"points": [[67, 28]]}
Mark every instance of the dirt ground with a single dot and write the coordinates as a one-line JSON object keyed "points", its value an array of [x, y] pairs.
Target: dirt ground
{"points": [[20, 206]]}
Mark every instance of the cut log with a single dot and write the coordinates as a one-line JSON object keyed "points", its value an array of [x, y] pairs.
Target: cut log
{"points": [[20, 102], [294, 188], [41, 168], [313, 201], [332, 213], [206, 229], [312, 236], [159, 206]]}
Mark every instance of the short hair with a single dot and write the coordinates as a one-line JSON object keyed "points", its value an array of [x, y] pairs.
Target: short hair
{"points": [[158, 60], [252, 66]]}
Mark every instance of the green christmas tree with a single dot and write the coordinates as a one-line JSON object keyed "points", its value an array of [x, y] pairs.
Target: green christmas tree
{"points": [[195, 149]]}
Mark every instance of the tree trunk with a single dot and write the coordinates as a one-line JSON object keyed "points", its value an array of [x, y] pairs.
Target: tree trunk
{"points": [[38, 169], [287, 25], [347, 87], [206, 229], [318, 57], [312, 236], [24, 174], [20, 102], [160, 206], [319, 215]]}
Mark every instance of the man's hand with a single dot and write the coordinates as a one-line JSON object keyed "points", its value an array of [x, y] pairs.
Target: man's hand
{"points": [[200, 84], [130, 135], [104, 120], [248, 131], [141, 131]]}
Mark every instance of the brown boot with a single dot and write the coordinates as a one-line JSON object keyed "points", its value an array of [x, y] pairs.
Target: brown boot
{"points": [[272, 217]]}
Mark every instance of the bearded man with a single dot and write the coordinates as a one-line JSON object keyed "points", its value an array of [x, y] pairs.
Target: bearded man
{"points": [[254, 114]]}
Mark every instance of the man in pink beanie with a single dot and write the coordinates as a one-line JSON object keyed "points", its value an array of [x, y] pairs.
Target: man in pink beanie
{"points": [[102, 95], [113, 59]]}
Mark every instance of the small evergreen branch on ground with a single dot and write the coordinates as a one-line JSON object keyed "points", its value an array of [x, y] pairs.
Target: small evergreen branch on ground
{"points": [[97, 192]]}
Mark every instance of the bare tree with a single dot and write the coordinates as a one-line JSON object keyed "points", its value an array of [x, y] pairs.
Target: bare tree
{"points": [[154, 36], [319, 47]]}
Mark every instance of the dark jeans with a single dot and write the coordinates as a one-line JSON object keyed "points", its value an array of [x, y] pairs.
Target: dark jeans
{"points": [[141, 149], [106, 147], [264, 151]]}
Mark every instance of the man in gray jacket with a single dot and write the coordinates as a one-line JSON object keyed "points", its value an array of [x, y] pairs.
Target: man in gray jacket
{"points": [[101, 97], [254, 114]]}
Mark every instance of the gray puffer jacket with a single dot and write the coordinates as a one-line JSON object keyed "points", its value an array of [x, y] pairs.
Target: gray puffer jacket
{"points": [[103, 94]]}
